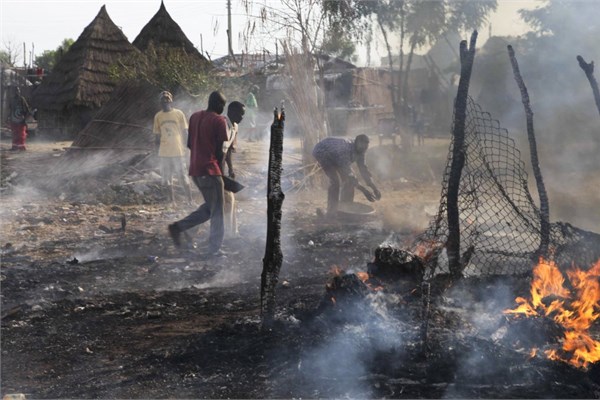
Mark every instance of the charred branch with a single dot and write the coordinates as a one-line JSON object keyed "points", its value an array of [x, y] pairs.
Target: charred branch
{"points": [[392, 264], [273, 255], [544, 205], [467, 56], [588, 68]]}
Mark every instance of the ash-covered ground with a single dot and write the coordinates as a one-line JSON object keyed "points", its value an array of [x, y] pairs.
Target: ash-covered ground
{"points": [[94, 310]]}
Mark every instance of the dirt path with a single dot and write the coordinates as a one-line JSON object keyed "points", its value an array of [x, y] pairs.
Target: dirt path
{"points": [[88, 307]]}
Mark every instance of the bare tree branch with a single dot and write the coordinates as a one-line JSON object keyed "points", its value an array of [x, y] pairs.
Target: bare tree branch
{"points": [[537, 172], [589, 72]]}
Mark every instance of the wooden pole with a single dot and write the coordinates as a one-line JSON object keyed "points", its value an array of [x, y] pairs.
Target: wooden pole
{"points": [[589, 72], [229, 33], [467, 55], [537, 172], [273, 256]]}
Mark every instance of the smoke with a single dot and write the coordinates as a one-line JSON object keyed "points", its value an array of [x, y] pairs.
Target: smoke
{"points": [[91, 255], [565, 118], [224, 278], [480, 305], [342, 364]]}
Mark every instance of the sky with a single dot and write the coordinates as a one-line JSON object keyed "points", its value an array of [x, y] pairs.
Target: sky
{"points": [[43, 24]]}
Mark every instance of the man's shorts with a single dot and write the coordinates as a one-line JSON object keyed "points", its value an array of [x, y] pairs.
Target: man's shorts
{"points": [[173, 167]]}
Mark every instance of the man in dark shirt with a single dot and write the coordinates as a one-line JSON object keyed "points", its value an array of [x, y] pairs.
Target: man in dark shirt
{"points": [[336, 155], [206, 134]]}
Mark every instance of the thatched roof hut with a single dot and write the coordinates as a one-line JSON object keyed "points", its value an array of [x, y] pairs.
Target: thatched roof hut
{"points": [[114, 154], [124, 122], [162, 30], [123, 126], [80, 83]]}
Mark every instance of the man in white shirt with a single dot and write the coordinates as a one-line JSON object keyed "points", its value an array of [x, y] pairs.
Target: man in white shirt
{"points": [[235, 114], [170, 128]]}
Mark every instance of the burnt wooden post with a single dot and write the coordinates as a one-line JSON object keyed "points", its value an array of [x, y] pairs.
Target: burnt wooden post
{"points": [[425, 307], [589, 72], [537, 172], [273, 255], [458, 155]]}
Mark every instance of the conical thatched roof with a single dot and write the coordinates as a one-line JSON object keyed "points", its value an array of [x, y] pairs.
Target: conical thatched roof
{"points": [[162, 30], [81, 78]]}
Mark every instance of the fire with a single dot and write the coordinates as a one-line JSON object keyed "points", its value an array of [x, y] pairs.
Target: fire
{"points": [[574, 308], [336, 271], [363, 276], [425, 249]]}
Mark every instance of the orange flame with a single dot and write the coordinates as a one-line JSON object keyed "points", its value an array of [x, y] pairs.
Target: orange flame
{"points": [[336, 271], [425, 249], [363, 276], [574, 310]]}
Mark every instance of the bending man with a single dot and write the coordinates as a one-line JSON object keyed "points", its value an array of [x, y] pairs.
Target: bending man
{"points": [[336, 156]]}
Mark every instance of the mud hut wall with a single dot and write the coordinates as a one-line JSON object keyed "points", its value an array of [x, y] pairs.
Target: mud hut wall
{"points": [[58, 125], [126, 120]]}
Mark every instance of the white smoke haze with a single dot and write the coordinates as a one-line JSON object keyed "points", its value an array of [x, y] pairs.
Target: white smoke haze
{"points": [[343, 361], [224, 278], [480, 308], [565, 116], [93, 255]]}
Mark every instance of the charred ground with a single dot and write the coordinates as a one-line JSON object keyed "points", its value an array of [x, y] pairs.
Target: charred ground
{"points": [[136, 318]]}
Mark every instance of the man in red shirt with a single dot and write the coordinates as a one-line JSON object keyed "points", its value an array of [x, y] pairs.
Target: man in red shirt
{"points": [[206, 134]]}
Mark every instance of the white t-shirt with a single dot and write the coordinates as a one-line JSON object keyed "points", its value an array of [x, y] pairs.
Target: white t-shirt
{"points": [[232, 130]]}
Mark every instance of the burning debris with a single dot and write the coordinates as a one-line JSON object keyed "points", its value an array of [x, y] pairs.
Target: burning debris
{"points": [[572, 304], [396, 264]]}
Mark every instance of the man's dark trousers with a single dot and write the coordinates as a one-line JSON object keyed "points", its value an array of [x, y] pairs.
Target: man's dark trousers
{"points": [[212, 191]]}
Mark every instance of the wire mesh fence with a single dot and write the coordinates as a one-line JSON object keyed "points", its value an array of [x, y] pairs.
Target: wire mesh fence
{"points": [[499, 220]]}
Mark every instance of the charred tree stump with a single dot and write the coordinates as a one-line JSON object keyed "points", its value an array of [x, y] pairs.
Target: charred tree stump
{"points": [[589, 72], [273, 255], [467, 55], [537, 172]]}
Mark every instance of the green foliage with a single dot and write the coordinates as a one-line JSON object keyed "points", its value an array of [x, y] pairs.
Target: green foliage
{"points": [[559, 17], [49, 58], [167, 67], [425, 21], [467, 15], [337, 43], [5, 58], [422, 20]]}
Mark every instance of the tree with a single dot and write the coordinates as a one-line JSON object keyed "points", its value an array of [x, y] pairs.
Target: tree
{"points": [[10, 54], [561, 31], [300, 26], [417, 22], [166, 67], [5, 58], [337, 43], [49, 58]]}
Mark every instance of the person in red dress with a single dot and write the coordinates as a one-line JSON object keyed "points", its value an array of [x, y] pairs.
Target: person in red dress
{"points": [[19, 110]]}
